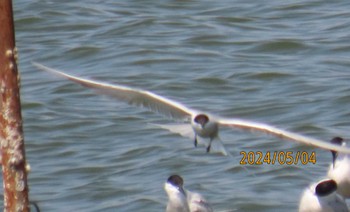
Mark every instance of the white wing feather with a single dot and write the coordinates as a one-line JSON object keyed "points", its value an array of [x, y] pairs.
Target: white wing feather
{"points": [[131, 96], [176, 110], [197, 203], [249, 125], [185, 130]]}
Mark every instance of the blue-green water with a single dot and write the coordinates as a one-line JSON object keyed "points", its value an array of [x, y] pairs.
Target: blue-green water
{"points": [[280, 62]]}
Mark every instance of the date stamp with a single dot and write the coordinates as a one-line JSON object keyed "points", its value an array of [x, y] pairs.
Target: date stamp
{"points": [[277, 157]]}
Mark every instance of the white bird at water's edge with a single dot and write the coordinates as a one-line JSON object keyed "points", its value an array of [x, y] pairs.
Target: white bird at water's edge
{"points": [[182, 200], [204, 125]]}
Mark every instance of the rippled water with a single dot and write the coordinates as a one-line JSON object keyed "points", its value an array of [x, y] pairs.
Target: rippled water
{"points": [[280, 62]]}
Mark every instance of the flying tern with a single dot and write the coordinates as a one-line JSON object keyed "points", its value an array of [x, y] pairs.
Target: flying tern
{"points": [[339, 170], [204, 125], [322, 197], [182, 200]]}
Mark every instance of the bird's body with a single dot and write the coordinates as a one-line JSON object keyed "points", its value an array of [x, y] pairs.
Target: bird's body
{"points": [[339, 170], [197, 203], [204, 125], [322, 197], [206, 129], [182, 200]]}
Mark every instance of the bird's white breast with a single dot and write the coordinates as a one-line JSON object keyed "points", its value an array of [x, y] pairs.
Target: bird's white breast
{"points": [[210, 129], [340, 173], [310, 202]]}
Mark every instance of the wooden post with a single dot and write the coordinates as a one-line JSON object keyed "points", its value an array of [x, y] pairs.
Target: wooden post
{"points": [[11, 132]]}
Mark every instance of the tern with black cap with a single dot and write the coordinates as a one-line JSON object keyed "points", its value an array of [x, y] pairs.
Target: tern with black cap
{"points": [[182, 200], [339, 170], [322, 197]]}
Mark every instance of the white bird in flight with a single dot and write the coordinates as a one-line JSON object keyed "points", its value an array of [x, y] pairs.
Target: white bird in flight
{"points": [[204, 125], [322, 197], [339, 170], [182, 200]]}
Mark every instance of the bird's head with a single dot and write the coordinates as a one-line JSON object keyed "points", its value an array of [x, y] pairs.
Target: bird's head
{"points": [[325, 188], [174, 184], [201, 119]]}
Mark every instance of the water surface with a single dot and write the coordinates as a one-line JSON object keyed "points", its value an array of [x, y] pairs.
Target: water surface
{"points": [[280, 62]]}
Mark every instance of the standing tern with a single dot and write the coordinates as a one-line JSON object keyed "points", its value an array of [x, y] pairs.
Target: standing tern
{"points": [[204, 125], [182, 200], [322, 197], [339, 170]]}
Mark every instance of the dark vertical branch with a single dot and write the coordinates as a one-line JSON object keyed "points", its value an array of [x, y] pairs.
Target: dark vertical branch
{"points": [[11, 132]]}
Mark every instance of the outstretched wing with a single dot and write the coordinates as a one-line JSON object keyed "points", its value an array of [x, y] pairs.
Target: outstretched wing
{"points": [[129, 95], [249, 125]]}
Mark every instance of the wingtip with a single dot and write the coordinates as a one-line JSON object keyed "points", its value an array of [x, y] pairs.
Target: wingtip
{"points": [[43, 67], [53, 71], [40, 66]]}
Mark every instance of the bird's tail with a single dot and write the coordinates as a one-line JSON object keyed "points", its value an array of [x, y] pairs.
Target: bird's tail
{"points": [[218, 146]]}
